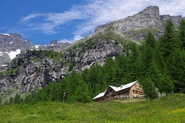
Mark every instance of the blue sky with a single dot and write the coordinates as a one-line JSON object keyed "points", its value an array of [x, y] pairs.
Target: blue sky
{"points": [[41, 21]]}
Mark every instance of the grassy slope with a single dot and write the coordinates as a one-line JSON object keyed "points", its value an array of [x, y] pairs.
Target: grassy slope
{"points": [[168, 109]]}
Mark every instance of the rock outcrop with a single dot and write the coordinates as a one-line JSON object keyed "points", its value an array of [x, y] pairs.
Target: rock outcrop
{"points": [[11, 45], [91, 52], [54, 45], [30, 76], [11, 42], [136, 26]]}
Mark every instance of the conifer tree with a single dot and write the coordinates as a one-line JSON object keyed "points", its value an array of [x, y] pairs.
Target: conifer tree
{"points": [[149, 88], [147, 56], [150, 40], [168, 42], [182, 33], [148, 52], [160, 60], [166, 85], [135, 62], [177, 70], [82, 92]]}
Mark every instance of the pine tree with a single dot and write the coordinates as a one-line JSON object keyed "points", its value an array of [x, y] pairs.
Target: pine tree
{"points": [[82, 92], [149, 88], [134, 60], [160, 60], [166, 85], [148, 52], [177, 70], [147, 57], [123, 64], [169, 41], [182, 33], [150, 40], [154, 73]]}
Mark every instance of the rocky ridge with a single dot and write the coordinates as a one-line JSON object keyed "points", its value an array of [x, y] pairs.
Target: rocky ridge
{"points": [[135, 27], [13, 44], [54, 45]]}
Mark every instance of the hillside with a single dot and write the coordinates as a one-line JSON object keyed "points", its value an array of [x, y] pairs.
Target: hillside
{"points": [[169, 109]]}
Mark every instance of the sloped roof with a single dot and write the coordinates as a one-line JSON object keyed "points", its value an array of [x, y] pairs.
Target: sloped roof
{"points": [[116, 89], [122, 87], [99, 95]]}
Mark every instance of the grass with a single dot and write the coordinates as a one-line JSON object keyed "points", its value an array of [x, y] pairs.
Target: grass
{"points": [[169, 109]]}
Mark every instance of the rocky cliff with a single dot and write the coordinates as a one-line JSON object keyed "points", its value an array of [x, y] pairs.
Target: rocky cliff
{"points": [[12, 42], [33, 70], [135, 27]]}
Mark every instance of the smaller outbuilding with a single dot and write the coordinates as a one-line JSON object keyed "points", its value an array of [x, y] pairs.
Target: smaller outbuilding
{"points": [[130, 90]]}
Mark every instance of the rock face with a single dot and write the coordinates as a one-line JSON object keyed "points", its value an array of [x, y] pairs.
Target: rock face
{"points": [[92, 52], [11, 42], [30, 75], [11, 45], [138, 25]]}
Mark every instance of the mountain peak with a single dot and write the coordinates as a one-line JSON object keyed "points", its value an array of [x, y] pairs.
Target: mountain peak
{"points": [[151, 10]]}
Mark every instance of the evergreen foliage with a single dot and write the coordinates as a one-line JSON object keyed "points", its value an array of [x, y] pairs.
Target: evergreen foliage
{"points": [[182, 33]]}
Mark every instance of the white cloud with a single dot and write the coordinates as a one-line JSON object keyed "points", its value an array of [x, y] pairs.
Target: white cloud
{"points": [[29, 17], [50, 21], [75, 38], [65, 40], [98, 12]]}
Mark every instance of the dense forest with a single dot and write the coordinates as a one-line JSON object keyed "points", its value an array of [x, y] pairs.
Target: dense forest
{"points": [[158, 64]]}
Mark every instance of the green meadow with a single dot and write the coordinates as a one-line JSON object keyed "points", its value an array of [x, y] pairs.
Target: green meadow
{"points": [[170, 109]]}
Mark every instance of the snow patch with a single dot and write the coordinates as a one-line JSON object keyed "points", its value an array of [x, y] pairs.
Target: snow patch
{"points": [[11, 43], [13, 54], [37, 46], [4, 65], [7, 34]]}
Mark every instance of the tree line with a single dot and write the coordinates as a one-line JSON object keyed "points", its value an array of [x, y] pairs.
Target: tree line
{"points": [[158, 64]]}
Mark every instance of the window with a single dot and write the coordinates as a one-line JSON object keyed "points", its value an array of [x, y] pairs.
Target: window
{"points": [[110, 93]]}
